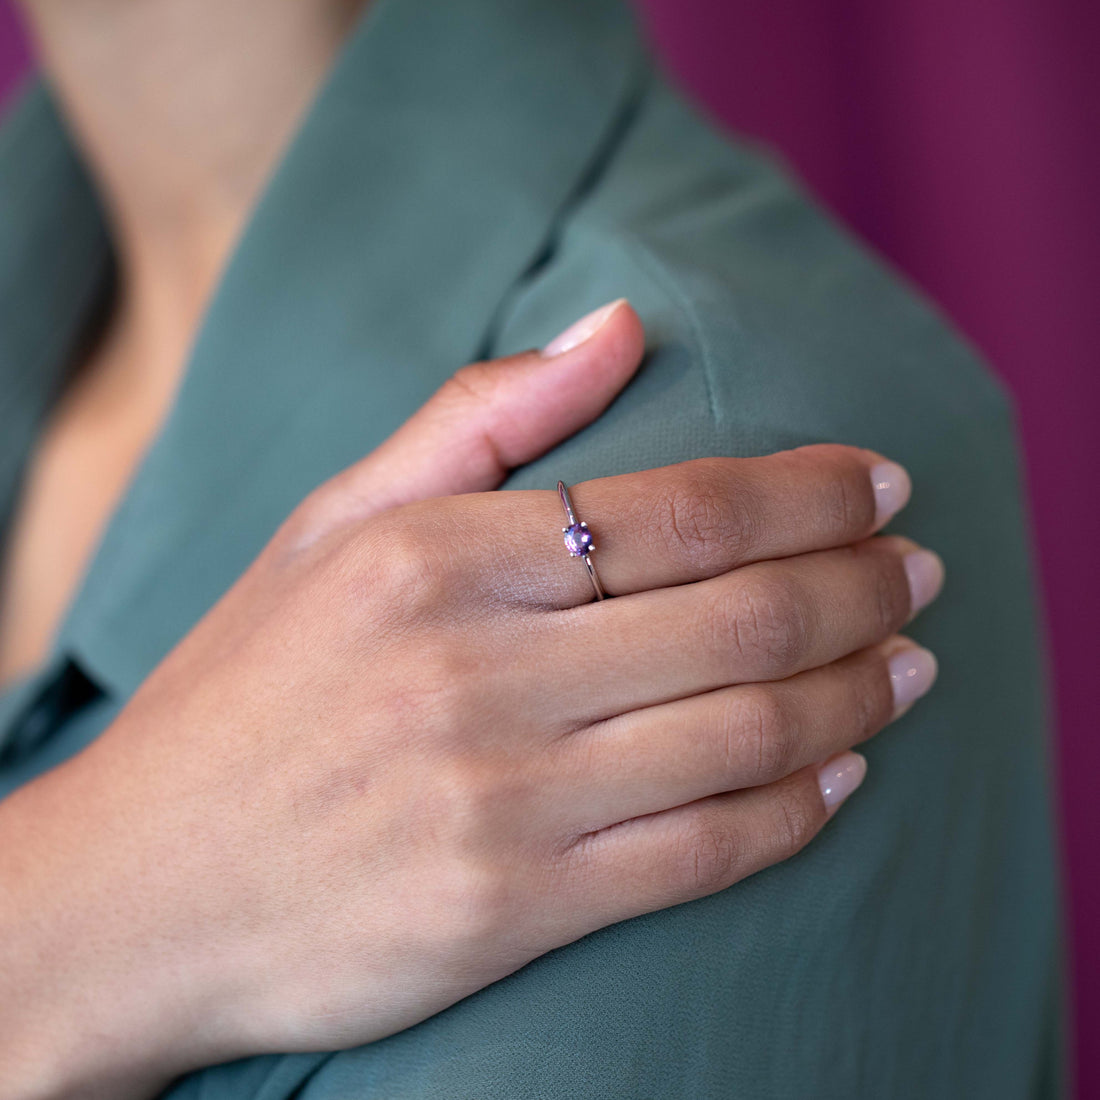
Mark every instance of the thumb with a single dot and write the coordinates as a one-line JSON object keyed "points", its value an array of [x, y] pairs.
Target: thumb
{"points": [[489, 417]]}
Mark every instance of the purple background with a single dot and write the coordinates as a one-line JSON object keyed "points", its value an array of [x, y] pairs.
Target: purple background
{"points": [[961, 138]]}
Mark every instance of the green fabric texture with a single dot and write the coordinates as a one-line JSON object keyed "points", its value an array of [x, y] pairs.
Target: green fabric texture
{"points": [[471, 179]]}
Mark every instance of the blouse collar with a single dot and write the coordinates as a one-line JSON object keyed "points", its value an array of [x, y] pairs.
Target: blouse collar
{"points": [[427, 179]]}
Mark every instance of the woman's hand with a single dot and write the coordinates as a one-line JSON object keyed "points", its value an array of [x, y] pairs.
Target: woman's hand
{"points": [[405, 754]]}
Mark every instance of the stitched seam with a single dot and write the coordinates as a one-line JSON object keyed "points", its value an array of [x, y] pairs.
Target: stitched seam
{"points": [[684, 305], [617, 132]]}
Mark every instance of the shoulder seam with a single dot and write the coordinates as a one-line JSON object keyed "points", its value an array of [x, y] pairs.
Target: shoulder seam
{"points": [[639, 82], [661, 274]]}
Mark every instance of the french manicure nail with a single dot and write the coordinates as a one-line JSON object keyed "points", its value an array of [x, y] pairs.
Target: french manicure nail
{"points": [[912, 673], [925, 572], [581, 330], [892, 488], [839, 776]]}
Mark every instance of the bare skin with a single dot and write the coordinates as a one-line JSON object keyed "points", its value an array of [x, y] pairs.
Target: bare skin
{"points": [[181, 110], [350, 797], [82, 462]]}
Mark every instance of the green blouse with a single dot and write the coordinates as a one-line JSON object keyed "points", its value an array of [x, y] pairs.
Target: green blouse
{"points": [[471, 178]]}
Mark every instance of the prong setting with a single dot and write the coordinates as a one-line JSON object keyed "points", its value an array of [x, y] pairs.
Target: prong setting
{"points": [[578, 539]]}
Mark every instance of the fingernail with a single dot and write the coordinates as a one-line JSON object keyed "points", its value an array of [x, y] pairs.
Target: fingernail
{"points": [[912, 673], [581, 330], [925, 572], [892, 489], [839, 776]]}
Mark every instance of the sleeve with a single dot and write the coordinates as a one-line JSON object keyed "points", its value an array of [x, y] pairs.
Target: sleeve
{"points": [[912, 950]]}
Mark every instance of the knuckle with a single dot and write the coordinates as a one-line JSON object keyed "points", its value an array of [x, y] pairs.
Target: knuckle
{"points": [[394, 561], [890, 596], [475, 810], [710, 857], [870, 699], [475, 383], [464, 799], [478, 897], [767, 624], [846, 509], [700, 519], [867, 713], [446, 708], [795, 818], [759, 743], [300, 529]]}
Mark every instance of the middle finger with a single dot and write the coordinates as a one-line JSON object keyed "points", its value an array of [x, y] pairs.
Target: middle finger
{"points": [[764, 621]]}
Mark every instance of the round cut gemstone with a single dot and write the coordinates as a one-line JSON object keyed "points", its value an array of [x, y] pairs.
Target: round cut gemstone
{"points": [[578, 540]]}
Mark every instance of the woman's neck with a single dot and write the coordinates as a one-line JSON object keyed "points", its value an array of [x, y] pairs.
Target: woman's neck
{"points": [[181, 109]]}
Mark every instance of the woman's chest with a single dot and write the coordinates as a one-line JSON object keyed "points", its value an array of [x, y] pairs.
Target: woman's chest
{"points": [[75, 476]]}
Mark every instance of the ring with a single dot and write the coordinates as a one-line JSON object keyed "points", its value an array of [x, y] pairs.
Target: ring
{"points": [[578, 540]]}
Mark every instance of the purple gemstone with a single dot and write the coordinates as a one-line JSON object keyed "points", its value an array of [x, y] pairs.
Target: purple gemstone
{"points": [[578, 540]]}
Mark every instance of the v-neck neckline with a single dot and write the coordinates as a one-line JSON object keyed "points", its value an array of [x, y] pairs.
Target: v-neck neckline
{"points": [[422, 148]]}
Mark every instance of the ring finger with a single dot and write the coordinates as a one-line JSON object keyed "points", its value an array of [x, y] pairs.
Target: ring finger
{"points": [[665, 526]]}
